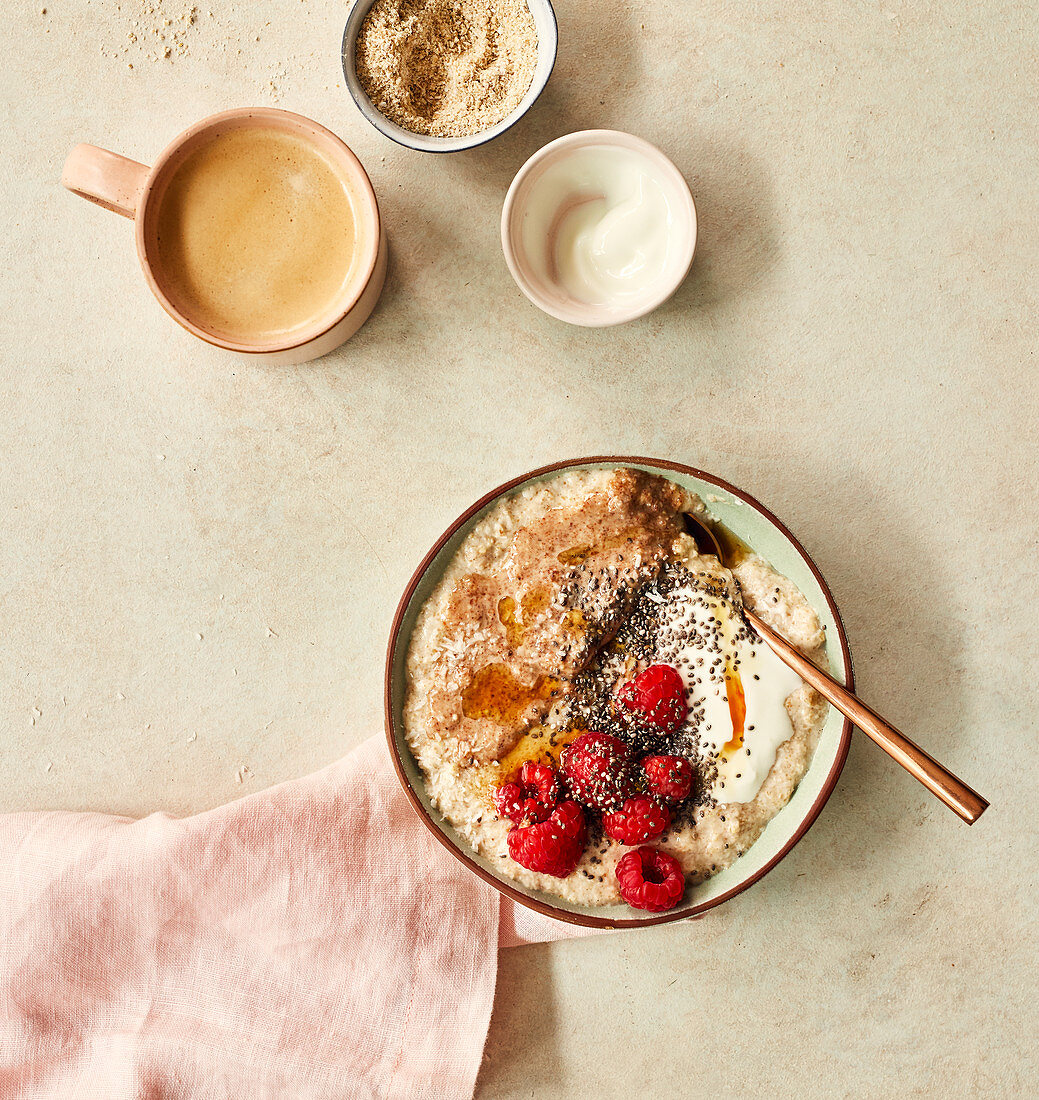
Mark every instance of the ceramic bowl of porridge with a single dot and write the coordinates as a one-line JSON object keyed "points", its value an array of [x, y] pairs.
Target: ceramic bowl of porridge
{"points": [[578, 710]]}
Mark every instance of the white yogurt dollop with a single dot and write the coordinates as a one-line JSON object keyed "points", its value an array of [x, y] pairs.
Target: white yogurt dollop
{"points": [[716, 663], [598, 224]]}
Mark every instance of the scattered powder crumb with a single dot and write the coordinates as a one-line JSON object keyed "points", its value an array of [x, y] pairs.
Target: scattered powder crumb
{"points": [[156, 30], [48, 767], [242, 774], [277, 79], [199, 636], [447, 67], [193, 737]]}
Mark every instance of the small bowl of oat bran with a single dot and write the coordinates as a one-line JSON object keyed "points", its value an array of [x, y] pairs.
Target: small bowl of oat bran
{"points": [[445, 75]]}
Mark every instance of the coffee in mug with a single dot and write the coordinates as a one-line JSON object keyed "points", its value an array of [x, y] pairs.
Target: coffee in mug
{"points": [[258, 230]]}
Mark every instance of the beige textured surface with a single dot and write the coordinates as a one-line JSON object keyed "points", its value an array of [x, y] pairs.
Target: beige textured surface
{"points": [[855, 345]]}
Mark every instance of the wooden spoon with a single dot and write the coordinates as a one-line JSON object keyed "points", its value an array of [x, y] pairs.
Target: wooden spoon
{"points": [[937, 779]]}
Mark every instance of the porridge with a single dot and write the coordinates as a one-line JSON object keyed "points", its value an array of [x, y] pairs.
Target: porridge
{"points": [[587, 704]]}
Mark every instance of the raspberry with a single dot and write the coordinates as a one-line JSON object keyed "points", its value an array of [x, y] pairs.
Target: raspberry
{"points": [[638, 820], [650, 879], [532, 797], [551, 847], [599, 770], [670, 777], [657, 697]]}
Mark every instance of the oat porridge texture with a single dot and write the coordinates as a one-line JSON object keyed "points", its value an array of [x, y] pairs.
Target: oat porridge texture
{"points": [[562, 592]]}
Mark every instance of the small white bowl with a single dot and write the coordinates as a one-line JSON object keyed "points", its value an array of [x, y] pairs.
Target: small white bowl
{"points": [[548, 37], [553, 298]]}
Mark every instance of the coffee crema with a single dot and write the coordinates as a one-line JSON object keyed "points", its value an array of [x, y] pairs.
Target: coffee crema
{"points": [[257, 236]]}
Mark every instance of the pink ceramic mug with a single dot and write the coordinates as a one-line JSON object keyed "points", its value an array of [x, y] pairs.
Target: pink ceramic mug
{"points": [[136, 191]]}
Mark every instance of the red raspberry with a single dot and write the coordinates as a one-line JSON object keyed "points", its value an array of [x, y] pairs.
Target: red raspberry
{"points": [[530, 798], [599, 770], [552, 847], [650, 879], [638, 820], [657, 697], [670, 777]]}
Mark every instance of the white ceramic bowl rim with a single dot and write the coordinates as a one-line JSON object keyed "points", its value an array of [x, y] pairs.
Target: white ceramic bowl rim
{"points": [[781, 834], [548, 39], [551, 300]]}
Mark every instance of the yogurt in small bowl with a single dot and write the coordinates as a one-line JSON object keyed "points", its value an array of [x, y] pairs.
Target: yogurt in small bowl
{"points": [[598, 228]]}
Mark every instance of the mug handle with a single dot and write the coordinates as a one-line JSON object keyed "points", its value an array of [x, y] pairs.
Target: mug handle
{"points": [[105, 178]]}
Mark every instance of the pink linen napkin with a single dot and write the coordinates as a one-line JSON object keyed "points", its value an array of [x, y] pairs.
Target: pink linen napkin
{"points": [[312, 940]]}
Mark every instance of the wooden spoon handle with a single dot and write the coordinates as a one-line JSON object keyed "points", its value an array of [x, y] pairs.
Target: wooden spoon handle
{"points": [[939, 781]]}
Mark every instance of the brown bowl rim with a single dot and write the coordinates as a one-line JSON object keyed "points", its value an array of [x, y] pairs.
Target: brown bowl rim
{"points": [[544, 908]]}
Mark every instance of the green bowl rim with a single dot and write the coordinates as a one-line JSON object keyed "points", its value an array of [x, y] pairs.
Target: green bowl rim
{"points": [[546, 909]]}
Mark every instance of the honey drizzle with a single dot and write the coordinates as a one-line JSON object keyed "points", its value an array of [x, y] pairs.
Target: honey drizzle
{"points": [[737, 710], [539, 744], [575, 555], [508, 618], [496, 694], [575, 620], [531, 605]]}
